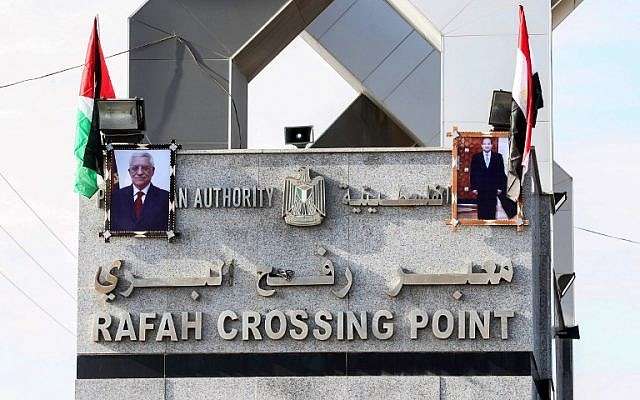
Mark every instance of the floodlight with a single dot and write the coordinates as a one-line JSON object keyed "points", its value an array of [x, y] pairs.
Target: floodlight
{"points": [[500, 113], [121, 120], [299, 136]]}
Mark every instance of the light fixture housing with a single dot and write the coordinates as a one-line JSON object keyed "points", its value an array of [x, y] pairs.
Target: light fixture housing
{"points": [[299, 136], [121, 120], [500, 113]]}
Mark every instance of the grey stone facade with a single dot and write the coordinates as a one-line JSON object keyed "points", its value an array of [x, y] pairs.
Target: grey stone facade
{"points": [[373, 246], [297, 388]]}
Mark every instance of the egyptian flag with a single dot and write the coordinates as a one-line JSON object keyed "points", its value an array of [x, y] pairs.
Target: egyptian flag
{"points": [[95, 84], [527, 99]]}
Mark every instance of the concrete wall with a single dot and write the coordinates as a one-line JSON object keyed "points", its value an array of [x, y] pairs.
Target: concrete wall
{"points": [[372, 246]]}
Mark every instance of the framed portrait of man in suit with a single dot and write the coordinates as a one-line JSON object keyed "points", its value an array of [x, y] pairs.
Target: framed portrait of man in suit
{"points": [[140, 190], [479, 181]]}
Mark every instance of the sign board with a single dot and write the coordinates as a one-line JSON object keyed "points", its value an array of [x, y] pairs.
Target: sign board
{"points": [[308, 251]]}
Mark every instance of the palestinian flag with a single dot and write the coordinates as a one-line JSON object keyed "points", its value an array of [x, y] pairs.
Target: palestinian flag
{"points": [[527, 99], [95, 84]]}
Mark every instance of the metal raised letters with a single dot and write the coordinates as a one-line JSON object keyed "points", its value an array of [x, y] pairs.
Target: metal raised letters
{"points": [[493, 274], [226, 197], [105, 275], [279, 277], [303, 200], [436, 196]]}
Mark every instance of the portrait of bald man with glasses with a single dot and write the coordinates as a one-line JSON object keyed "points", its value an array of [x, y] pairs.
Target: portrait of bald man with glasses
{"points": [[140, 206]]}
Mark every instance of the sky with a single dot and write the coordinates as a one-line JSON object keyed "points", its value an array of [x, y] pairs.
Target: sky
{"points": [[597, 140], [596, 98]]}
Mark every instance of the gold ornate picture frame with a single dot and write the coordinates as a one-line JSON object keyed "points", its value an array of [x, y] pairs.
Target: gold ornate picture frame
{"points": [[467, 203]]}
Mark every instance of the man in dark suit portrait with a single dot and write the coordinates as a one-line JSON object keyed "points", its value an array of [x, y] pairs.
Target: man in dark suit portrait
{"points": [[488, 179], [140, 206]]}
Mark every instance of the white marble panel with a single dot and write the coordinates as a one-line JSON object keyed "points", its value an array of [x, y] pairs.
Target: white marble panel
{"points": [[365, 35], [398, 65], [328, 17], [562, 235], [500, 17], [546, 176], [476, 66], [541, 139], [439, 12], [562, 180], [416, 101]]}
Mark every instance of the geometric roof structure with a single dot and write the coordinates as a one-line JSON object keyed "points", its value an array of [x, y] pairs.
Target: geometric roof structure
{"points": [[364, 124], [561, 9], [428, 65], [389, 60], [232, 41], [386, 56]]}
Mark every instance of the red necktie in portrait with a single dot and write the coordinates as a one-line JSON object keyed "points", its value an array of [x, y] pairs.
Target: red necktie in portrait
{"points": [[137, 205]]}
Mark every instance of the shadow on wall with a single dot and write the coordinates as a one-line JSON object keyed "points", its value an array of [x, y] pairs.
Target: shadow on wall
{"points": [[364, 124]]}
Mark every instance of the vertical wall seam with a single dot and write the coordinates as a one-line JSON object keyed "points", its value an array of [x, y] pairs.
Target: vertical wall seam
{"points": [[229, 105]]}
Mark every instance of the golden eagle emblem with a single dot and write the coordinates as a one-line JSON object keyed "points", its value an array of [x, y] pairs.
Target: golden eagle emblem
{"points": [[303, 199]]}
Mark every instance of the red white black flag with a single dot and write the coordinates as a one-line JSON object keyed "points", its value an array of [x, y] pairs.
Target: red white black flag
{"points": [[527, 99], [95, 85]]}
